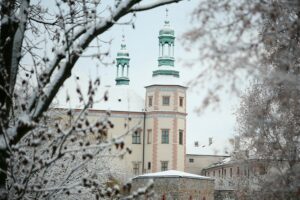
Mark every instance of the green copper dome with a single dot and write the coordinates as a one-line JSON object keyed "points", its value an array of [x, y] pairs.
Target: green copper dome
{"points": [[166, 30]]}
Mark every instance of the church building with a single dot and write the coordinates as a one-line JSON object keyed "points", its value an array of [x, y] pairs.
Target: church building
{"points": [[153, 127], [160, 143]]}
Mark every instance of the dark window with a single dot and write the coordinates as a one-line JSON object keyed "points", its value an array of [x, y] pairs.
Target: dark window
{"points": [[164, 165], [180, 136], [150, 101], [214, 173], [181, 101], [238, 171], [136, 137], [166, 101], [219, 173], [230, 172], [262, 170], [225, 172], [165, 136], [136, 168], [149, 136], [149, 165], [191, 160]]}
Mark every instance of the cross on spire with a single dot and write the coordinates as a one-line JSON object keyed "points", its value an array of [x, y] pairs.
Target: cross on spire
{"points": [[123, 45], [167, 13], [123, 36]]}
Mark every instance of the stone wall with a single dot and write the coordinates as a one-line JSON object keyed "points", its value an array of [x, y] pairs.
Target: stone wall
{"points": [[178, 188]]}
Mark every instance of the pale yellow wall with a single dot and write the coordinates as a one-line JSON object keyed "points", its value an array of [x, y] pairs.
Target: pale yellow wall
{"points": [[119, 119], [181, 148], [157, 93], [164, 150], [170, 117], [149, 147]]}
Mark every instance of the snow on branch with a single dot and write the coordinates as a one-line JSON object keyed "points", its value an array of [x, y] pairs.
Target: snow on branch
{"points": [[152, 5]]}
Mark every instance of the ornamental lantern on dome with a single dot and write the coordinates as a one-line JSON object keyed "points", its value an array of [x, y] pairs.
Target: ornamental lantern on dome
{"points": [[122, 65], [166, 51]]}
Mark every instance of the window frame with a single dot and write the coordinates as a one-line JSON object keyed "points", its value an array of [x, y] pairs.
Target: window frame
{"points": [[191, 160], [136, 168], [166, 103], [164, 165], [150, 101], [149, 136], [136, 137], [149, 165], [180, 137], [181, 101], [165, 136]]}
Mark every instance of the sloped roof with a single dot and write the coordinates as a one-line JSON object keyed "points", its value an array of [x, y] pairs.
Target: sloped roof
{"points": [[173, 174], [165, 80], [120, 98]]}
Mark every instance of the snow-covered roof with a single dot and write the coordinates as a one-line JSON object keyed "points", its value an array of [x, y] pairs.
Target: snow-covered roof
{"points": [[166, 80], [120, 98], [172, 174], [222, 162], [204, 147]]}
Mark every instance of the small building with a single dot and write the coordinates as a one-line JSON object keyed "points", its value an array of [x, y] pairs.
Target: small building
{"points": [[174, 184], [195, 163]]}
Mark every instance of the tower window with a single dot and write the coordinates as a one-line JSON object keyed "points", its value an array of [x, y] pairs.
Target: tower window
{"points": [[230, 172], [166, 101], [164, 165], [181, 101], [165, 136], [136, 137], [191, 160], [149, 165], [150, 98], [149, 136], [181, 137]]}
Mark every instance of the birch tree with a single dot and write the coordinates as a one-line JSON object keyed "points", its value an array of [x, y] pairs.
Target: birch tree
{"points": [[53, 35], [258, 40]]}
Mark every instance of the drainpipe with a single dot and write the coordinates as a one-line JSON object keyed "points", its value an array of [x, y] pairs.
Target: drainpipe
{"points": [[144, 138]]}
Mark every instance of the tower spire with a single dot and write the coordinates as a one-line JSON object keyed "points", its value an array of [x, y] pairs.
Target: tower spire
{"points": [[166, 50], [122, 77]]}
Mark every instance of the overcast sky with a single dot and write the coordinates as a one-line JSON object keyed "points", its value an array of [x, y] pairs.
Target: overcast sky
{"points": [[142, 44]]}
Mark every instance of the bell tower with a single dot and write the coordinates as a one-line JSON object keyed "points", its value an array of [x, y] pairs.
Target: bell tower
{"points": [[165, 104], [122, 77], [166, 59]]}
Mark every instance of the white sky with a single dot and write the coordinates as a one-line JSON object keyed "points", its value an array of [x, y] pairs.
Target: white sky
{"points": [[142, 44]]}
